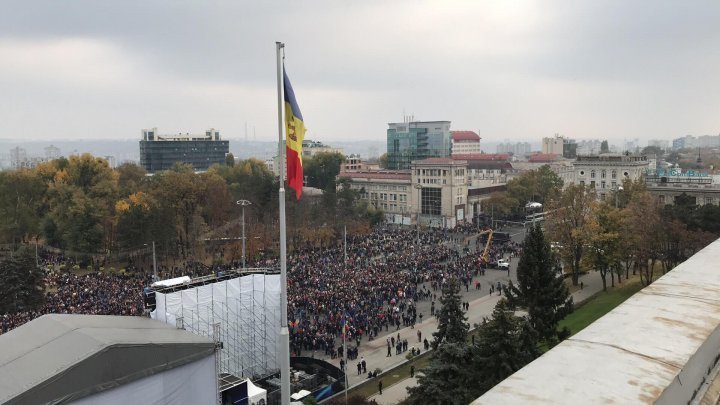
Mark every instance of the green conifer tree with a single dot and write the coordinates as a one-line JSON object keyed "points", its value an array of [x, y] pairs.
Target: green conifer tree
{"points": [[452, 325], [539, 289], [446, 380]]}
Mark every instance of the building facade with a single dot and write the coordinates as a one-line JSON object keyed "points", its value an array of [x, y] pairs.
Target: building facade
{"points": [[606, 172], [668, 184], [417, 140], [388, 190], [441, 188], [517, 149], [312, 148], [434, 192], [561, 146], [161, 152], [464, 142]]}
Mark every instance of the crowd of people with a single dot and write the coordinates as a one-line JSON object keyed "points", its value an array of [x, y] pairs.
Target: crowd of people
{"points": [[377, 287]]}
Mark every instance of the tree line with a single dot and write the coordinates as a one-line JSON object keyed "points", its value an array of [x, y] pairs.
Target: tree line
{"points": [[81, 204], [628, 231]]}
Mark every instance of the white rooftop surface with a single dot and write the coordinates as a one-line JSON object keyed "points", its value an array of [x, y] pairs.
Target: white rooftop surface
{"points": [[636, 351]]}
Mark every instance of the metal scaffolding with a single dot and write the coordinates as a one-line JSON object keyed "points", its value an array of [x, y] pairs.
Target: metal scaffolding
{"points": [[247, 312]]}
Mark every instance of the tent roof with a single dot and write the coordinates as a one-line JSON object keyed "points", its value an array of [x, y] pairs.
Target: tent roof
{"points": [[57, 358]]}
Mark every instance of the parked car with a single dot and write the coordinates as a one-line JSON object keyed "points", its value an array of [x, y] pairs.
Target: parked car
{"points": [[503, 264]]}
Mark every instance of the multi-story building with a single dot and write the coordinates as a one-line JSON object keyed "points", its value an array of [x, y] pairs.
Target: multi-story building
{"points": [[434, 191], [388, 190], [561, 146], [417, 140], [161, 152], [442, 190], [668, 184], [606, 172], [517, 149], [312, 148], [464, 142], [353, 163]]}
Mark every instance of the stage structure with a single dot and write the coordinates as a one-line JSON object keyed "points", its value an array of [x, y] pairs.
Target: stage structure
{"points": [[245, 306]]}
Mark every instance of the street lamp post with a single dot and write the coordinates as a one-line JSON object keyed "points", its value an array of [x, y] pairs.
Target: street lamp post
{"points": [[155, 275], [243, 203], [419, 188]]}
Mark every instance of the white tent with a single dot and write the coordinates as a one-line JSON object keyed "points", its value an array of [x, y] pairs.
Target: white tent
{"points": [[256, 395]]}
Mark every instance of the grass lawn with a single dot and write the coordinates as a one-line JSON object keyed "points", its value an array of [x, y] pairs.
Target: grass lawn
{"points": [[600, 305]]}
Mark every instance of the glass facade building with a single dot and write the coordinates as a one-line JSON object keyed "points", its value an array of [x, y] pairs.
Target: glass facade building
{"points": [[161, 152], [417, 140]]}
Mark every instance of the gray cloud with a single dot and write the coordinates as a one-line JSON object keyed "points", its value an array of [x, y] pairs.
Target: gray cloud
{"points": [[515, 70]]}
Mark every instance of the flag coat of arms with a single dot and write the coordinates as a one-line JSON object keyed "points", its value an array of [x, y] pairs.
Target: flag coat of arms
{"points": [[294, 135]]}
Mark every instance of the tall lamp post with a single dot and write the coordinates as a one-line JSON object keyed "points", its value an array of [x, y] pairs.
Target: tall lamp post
{"points": [[243, 203], [419, 188], [155, 275]]}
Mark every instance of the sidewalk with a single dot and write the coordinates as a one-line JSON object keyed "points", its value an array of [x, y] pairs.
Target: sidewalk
{"points": [[478, 309]]}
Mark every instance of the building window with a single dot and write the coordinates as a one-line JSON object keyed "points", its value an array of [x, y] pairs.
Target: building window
{"points": [[602, 184], [430, 201], [614, 174], [661, 198], [708, 201], [602, 174], [582, 172], [582, 183], [592, 174], [592, 184]]}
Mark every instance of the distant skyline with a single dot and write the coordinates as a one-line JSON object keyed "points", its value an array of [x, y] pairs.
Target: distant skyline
{"points": [[516, 71]]}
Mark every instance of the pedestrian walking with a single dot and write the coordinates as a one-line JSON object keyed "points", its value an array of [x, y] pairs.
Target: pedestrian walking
{"points": [[380, 387], [412, 371]]}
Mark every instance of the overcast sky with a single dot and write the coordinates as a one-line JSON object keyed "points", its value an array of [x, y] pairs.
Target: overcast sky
{"points": [[516, 70]]}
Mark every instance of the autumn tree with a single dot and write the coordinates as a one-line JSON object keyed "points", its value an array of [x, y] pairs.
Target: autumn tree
{"points": [[645, 223], [605, 226], [568, 224], [81, 199], [535, 185]]}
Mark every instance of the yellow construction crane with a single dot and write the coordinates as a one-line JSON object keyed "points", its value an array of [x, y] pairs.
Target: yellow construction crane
{"points": [[484, 255]]}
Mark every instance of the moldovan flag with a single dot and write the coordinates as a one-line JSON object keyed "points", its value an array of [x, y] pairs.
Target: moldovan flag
{"points": [[294, 134]]}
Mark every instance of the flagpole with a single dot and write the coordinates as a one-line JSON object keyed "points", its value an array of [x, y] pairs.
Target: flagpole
{"points": [[345, 354], [345, 323], [284, 349]]}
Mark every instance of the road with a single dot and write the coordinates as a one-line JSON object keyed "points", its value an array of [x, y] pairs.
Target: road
{"points": [[481, 305]]}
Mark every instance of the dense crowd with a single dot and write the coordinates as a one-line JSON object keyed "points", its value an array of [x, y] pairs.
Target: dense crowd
{"points": [[377, 287]]}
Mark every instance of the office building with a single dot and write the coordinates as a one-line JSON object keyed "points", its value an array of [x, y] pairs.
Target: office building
{"points": [[161, 152], [417, 140]]}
